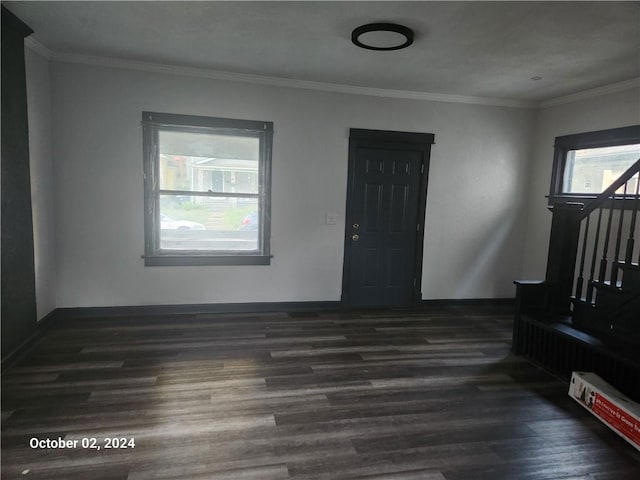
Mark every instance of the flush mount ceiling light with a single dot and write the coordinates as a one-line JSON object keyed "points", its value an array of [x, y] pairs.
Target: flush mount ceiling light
{"points": [[382, 36]]}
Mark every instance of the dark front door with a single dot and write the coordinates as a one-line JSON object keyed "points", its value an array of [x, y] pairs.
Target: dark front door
{"points": [[385, 210]]}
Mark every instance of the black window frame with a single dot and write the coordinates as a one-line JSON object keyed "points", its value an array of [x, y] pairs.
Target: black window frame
{"points": [[152, 124], [600, 138]]}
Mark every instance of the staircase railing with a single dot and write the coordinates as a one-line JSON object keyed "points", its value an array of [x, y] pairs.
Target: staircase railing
{"points": [[614, 214], [593, 278], [587, 239]]}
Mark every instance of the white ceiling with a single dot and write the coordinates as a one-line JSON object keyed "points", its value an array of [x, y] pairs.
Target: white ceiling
{"points": [[486, 49]]}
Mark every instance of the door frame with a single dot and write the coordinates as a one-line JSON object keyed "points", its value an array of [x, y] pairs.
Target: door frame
{"points": [[390, 139]]}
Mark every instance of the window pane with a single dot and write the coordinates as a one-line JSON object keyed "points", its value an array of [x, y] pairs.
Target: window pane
{"points": [[208, 223], [208, 162], [592, 170]]}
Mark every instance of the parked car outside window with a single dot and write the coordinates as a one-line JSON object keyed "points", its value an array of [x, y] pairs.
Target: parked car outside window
{"points": [[167, 223]]}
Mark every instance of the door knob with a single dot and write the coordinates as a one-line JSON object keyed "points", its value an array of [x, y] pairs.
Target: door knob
{"points": [[355, 237]]}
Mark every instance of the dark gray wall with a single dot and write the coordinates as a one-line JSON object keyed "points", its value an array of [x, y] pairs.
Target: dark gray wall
{"points": [[18, 284]]}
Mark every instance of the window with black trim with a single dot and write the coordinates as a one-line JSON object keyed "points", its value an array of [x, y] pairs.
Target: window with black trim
{"points": [[206, 190], [586, 164]]}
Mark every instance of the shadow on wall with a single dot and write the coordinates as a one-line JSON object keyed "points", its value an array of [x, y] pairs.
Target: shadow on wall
{"points": [[488, 256]]}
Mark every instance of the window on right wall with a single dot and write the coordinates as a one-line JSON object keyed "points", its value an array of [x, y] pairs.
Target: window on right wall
{"points": [[586, 164]]}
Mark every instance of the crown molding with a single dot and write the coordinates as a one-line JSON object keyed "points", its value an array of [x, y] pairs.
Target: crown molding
{"points": [[286, 82], [592, 92], [31, 43]]}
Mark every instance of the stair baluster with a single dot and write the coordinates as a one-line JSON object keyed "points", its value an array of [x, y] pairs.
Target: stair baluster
{"points": [[634, 213], [592, 270], [605, 250], [583, 255], [616, 255]]}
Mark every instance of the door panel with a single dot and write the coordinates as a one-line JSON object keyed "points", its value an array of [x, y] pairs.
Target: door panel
{"points": [[382, 232]]}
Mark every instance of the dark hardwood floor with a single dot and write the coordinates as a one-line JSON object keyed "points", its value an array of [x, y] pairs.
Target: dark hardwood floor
{"points": [[431, 394]]}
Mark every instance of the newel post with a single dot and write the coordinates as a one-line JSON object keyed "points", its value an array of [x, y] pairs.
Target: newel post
{"points": [[563, 249]]}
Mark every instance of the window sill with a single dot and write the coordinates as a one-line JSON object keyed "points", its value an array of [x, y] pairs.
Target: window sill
{"points": [[583, 197], [571, 198], [204, 260]]}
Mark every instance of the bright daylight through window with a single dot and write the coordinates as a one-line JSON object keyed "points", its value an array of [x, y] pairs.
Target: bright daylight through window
{"points": [[207, 190], [586, 164], [592, 170]]}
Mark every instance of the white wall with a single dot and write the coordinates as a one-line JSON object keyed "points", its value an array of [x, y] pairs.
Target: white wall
{"points": [[41, 170], [619, 109], [474, 233]]}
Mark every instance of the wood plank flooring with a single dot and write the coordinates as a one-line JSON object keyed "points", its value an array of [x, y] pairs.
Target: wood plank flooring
{"points": [[381, 394]]}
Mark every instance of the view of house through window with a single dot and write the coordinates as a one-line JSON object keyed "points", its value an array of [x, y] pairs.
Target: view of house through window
{"points": [[221, 166], [592, 170], [206, 189]]}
